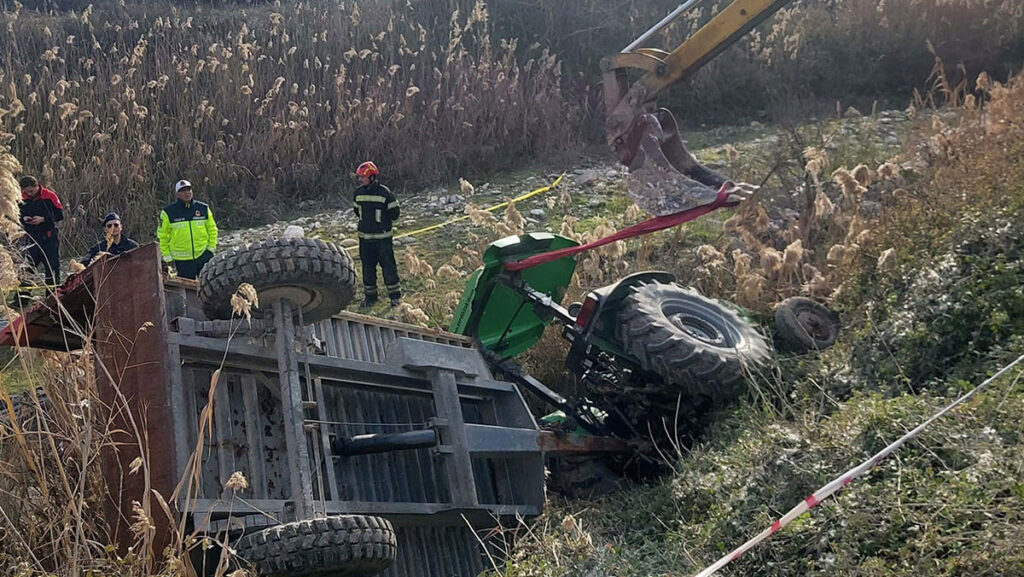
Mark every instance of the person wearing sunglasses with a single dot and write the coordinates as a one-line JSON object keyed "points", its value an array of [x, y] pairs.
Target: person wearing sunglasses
{"points": [[114, 241]]}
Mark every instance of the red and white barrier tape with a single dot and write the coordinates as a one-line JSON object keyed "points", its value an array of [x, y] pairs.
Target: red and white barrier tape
{"points": [[845, 479]]}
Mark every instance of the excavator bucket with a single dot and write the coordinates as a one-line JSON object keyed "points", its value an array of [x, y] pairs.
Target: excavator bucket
{"points": [[664, 178]]}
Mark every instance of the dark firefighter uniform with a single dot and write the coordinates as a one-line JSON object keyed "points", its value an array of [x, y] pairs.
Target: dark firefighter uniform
{"points": [[377, 208], [43, 245]]}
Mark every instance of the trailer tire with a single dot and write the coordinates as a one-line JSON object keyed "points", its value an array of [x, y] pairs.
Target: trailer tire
{"points": [[339, 546], [315, 276], [691, 341], [803, 325]]}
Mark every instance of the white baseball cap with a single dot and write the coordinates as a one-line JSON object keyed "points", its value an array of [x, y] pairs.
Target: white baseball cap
{"points": [[182, 184]]}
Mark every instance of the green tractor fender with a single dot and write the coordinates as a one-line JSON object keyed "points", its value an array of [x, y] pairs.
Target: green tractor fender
{"points": [[498, 316]]}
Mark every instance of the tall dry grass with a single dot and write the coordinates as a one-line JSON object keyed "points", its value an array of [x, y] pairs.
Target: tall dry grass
{"points": [[263, 106], [57, 437], [809, 55], [55, 441]]}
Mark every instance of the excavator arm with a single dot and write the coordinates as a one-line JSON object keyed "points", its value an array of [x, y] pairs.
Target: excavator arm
{"points": [[666, 178]]}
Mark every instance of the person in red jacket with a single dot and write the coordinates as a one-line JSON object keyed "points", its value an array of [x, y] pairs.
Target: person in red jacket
{"points": [[40, 212]]}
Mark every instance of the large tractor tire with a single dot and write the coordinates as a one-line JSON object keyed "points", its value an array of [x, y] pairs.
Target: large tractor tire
{"points": [[692, 342], [341, 546], [314, 276], [803, 325]]}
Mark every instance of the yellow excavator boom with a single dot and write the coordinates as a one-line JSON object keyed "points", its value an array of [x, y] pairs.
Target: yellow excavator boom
{"points": [[665, 177]]}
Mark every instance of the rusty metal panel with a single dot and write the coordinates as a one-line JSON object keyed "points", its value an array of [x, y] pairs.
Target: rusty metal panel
{"points": [[131, 341]]}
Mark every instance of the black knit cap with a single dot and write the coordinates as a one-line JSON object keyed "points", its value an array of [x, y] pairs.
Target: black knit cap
{"points": [[110, 216]]}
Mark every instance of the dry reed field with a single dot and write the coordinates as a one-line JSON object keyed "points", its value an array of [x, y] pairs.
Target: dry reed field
{"points": [[263, 104], [268, 107]]}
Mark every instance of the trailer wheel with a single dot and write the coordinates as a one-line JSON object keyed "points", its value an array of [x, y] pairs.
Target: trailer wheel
{"points": [[341, 546], [803, 325], [691, 341], [315, 276]]}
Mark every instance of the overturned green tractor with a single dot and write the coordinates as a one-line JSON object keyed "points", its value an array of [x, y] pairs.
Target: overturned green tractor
{"points": [[647, 350]]}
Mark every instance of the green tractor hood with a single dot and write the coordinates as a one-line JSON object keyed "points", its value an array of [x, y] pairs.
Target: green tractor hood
{"points": [[494, 313]]}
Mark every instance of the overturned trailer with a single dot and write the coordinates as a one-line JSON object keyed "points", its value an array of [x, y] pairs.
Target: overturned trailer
{"points": [[370, 446]]}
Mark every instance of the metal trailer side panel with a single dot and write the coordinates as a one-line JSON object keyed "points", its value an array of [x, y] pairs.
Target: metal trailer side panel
{"points": [[353, 389]]}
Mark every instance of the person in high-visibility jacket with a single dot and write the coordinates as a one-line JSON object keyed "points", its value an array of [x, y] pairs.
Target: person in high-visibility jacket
{"points": [[187, 233], [377, 208]]}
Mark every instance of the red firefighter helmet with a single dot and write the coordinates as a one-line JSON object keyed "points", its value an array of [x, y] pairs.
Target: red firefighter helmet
{"points": [[367, 169]]}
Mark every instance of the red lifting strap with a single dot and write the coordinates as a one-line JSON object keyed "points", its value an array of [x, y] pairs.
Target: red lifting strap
{"points": [[646, 227]]}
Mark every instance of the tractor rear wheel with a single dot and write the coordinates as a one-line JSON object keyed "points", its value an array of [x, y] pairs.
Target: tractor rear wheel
{"points": [[691, 341]]}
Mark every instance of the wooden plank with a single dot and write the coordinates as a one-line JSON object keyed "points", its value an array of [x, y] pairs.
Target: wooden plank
{"points": [[222, 434], [344, 340], [327, 327], [179, 413], [388, 323]]}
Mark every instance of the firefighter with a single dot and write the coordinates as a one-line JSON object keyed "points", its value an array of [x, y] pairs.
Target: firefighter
{"points": [[187, 233], [40, 212], [377, 209]]}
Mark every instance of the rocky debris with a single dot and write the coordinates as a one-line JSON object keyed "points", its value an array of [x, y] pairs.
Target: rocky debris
{"points": [[589, 186], [587, 178], [293, 231]]}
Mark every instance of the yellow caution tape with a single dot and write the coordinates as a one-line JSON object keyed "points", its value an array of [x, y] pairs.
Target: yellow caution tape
{"points": [[519, 198], [30, 287], [500, 206]]}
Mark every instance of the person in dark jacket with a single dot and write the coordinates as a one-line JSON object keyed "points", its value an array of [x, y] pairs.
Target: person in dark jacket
{"points": [[40, 212], [114, 243], [377, 208]]}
